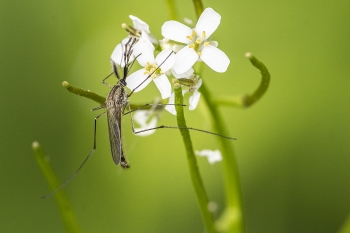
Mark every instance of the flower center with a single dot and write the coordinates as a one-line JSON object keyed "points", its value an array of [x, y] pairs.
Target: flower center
{"points": [[152, 68], [198, 43]]}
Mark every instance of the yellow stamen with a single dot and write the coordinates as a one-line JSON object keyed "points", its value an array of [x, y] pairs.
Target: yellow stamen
{"points": [[199, 53], [204, 35], [191, 46], [194, 33], [206, 43], [198, 41], [189, 37]]}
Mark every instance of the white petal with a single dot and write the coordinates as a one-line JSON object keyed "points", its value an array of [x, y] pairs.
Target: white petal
{"points": [[141, 116], [168, 61], [176, 31], [178, 47], [136, 78], [199, 84], [194, 99], [171, 107], [118, 52], [164, 86], [215, 58], [214, 43], [185, 59], [139, 24], [187, 74], [208, 22], [213, 155], [144, 52]]}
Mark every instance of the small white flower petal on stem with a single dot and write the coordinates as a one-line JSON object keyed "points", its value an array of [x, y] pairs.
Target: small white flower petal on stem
{"points": [[193, 100], [185, 59], [176, 31], [117, 54], [144, 53], [164, 86], [215, 58], [171, 107], [136, 78], [151, 124], [213, 155], [168, 61], [141, 117], [187, 74], [208, 22], [139, 24]]}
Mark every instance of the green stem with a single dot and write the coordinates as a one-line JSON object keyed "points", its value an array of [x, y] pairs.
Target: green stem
{"points": [[62, 200], [231, 175], [85, 93], [172, 8], [198, 185], [198, 6], [101, 100], [232, 219], [346, 226], [245, 101]]}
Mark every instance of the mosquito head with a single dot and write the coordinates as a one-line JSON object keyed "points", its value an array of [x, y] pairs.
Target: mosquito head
{"points": [[122, 82]]}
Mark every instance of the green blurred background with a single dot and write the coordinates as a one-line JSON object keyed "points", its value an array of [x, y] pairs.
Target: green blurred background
{"points": [[293, 145]]}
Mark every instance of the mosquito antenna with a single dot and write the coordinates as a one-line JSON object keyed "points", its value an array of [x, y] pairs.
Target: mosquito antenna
{"points": [[150, 74]]}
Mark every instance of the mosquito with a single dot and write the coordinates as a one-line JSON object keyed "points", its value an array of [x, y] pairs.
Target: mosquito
{"points": [[116, 102]]}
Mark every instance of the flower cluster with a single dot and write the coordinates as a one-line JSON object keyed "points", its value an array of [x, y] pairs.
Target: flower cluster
{"points": [[179, 50], [174, 55]]}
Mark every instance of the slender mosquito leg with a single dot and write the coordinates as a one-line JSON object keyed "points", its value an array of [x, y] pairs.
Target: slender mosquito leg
{"points": [[171, 127], [130, 111], [103, 81], [86, 159], [99, 107], [189, 128], [132, 121]]}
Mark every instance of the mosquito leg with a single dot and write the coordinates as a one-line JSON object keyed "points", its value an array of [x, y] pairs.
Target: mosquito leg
{"points": [[132, 121], [103, 81], [145, 105], [79, 168], [189, 128], [99, 107]]}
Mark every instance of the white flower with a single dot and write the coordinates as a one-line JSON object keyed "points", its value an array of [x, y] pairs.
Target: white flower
{"points": [[197, 41], [150, 65], [212, 155], [144, 39], [193, 100], [142, 118], [118, 53], [143, 27]]}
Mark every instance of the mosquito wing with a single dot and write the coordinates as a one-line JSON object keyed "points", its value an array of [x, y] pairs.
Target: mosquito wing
{"points": [[114, 128]]}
